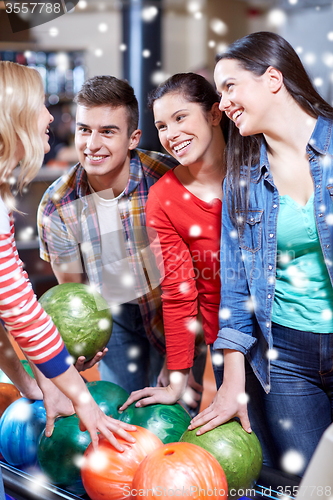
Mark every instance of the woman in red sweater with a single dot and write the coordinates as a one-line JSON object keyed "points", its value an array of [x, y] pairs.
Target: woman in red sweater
{"points": [[183, 216]]}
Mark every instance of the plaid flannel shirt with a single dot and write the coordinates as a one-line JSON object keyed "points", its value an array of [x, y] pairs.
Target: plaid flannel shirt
{"points": [[69, 231]]}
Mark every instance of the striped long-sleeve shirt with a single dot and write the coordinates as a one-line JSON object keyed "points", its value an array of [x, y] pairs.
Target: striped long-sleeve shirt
{"points": [[23, 316]]}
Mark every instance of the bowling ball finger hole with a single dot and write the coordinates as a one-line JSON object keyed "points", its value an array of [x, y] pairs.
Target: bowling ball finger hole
{"points": [[168, 453]]}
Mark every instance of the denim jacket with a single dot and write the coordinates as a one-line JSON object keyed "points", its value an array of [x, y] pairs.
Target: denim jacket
{"points": [[248, 261]]}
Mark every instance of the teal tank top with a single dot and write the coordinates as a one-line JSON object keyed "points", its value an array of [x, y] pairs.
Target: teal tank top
{"points": [[303, 292]]}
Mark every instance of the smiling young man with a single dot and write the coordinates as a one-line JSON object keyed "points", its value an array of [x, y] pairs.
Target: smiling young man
{"points": [[92, 227]]}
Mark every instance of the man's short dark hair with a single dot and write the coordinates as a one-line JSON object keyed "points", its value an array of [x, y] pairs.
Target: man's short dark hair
{"points": [[107, 90]]}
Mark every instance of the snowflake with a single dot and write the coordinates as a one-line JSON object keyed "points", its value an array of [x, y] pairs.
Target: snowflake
{"points": [[187, 398], [133, 352], [23, 411], [115, 308], [176, 378], [194, 326], [104, 324], [217, 359], [86, 247], [186, 196], [250, 304], [328, 59], [193, 6], [327, 314], [148, 14], [184, 287], [310, 58], [329, 219], [233, 234], [218, 26], [103, 27], [293, 462], [69, 360], [78, 460], [84, 397], [195, 230], [272, 354], [127, 280], [53, 32], [243, 398], [286, 423], [225, 313], [75, 303], [132, 367], [318, 81], [276, 18], [98, 460]]}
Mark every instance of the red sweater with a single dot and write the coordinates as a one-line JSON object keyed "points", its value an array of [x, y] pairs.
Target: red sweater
{"points": [[187, 255]]}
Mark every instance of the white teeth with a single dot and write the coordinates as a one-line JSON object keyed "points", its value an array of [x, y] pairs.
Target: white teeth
{"points": [[181, 146], [236, 114], [95, 158]]}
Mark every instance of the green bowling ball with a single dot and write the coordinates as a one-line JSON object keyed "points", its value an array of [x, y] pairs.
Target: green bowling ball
{"points": [[82, 317], [238, 452], [168, 422], [108, 396], [60, 455], [26, 366]]}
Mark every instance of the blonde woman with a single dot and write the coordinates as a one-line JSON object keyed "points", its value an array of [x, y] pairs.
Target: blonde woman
{"points": [[24, 139]]}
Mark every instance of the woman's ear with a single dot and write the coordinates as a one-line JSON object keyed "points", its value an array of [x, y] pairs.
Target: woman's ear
{"points": [[274, 78], [216, 114]]}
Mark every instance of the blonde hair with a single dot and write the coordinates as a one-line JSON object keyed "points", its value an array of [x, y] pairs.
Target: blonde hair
{"points": [[21, 101]]}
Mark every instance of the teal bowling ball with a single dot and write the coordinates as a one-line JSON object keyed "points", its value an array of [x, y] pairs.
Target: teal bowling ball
{"points": [[20, 427], [108, 396], [168, 422], [60, 455]]}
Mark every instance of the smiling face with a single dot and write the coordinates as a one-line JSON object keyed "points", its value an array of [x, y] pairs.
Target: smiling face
{"points": [[245, 97], [102, 143], [185, 130], [44, 120]]}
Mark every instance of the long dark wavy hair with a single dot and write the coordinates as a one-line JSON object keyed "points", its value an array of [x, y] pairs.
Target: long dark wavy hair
{"points": [[194, 88], [255, 53]]}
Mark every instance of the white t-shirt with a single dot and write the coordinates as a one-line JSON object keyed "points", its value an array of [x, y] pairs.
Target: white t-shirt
{"points": [[118, 278]]}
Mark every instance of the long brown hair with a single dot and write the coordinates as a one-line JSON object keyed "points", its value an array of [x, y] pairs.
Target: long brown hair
{"points": [[255, 53]]}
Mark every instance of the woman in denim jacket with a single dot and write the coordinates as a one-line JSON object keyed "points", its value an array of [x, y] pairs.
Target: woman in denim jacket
{"points": [[276, 252]]}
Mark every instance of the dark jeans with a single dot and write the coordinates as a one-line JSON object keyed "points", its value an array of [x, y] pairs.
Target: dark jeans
{"points": [[299, 406], [131, 361]]}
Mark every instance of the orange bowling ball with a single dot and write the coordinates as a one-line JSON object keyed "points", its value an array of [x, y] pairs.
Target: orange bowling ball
{"points": [[8, 394], [107, 473], [179, 470]]}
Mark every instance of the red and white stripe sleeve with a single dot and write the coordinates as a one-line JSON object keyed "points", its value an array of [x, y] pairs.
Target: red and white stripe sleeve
{"points": [[23, 316]]}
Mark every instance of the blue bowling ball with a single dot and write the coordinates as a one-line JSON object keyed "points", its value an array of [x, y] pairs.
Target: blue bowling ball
{"points": [[20, 427]]}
